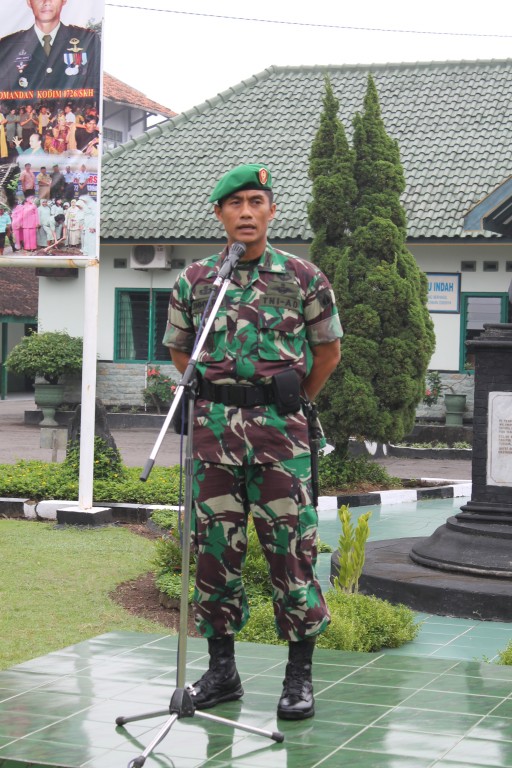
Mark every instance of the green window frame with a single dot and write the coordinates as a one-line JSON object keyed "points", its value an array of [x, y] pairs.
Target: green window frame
{"points": [[475, 311], [139, 325]]}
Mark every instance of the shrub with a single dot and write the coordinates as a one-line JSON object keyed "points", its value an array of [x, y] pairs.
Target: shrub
{"points": [[166, 519], [39, 480], [336, 473], [351, 546], [358, 623], [261, 626], [107, 460], [366, 623], [505, 657], [432, 388], [170, 584], [159, 389], [49, 355]]}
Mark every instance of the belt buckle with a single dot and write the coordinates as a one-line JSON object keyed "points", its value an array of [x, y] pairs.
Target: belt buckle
{"points": [[237, 396]]}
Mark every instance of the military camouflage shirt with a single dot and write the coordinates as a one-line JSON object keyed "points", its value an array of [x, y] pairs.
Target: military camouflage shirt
{"points": [[274, 310]]}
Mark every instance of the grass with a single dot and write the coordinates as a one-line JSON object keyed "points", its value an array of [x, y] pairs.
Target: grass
{"points": [[55, 585]]}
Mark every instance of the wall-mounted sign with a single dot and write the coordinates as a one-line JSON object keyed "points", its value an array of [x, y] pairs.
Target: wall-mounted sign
{"points": [[443, 292]]}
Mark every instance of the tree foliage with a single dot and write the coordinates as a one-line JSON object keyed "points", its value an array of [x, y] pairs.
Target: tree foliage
{"points": [[359, 242], [49, 355]]}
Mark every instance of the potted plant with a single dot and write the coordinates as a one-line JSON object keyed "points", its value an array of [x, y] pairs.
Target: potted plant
{"points": [[455, 402], [48, 356]]}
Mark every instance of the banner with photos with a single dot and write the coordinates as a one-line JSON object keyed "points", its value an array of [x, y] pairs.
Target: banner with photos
{"points": [[50, 124]]}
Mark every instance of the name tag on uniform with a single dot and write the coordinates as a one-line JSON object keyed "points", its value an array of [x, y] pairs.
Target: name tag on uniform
{"points": [[282, 293]]}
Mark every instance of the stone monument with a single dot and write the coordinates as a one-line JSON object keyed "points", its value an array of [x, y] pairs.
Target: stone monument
{"points": [[478, 540]]}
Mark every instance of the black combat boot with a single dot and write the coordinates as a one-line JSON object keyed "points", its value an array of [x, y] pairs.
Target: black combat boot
{"points": [[221, 682], [297, 702]]}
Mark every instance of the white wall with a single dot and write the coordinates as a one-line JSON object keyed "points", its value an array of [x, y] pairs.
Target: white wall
{"points": [[120, 120], [61, 301], [448, 258]]}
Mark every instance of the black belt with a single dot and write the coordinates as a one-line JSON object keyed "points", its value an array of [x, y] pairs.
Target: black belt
{"points": [[236, 394]]}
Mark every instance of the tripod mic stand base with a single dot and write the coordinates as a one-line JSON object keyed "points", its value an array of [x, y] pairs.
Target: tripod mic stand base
{"points": [[181, 706]]}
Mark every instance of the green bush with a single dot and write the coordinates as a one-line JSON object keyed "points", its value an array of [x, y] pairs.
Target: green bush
{"points": [[261, 626], [351, 549], [336, 474], [505, 657], [159, 390], [49, 355], [170, 584], [107, 460], [358, 623], [366, 623], [166, 519], [40, 480], [168, 556]]}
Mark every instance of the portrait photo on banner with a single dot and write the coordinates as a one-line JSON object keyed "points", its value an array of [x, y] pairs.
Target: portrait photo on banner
{"points": [[50, 122]]}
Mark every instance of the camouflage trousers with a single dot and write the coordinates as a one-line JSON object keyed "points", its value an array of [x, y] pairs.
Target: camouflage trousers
{"points": [[278, 496]]}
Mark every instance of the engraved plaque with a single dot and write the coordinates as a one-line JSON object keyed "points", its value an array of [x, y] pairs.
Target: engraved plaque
{"points": [[499, 439]]}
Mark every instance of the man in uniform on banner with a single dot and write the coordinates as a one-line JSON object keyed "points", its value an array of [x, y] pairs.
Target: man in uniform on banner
{"points": [[49, 54]]}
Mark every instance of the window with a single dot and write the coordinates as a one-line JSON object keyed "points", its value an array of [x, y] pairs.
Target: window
{"points": [[478, 309], [141, 317], [111, 138]]}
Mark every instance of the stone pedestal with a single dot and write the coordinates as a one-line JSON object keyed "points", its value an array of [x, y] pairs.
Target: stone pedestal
{"points": [[479, 539]]}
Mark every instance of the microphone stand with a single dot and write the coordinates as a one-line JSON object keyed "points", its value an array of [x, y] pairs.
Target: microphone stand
{"points": [[181, 704]]}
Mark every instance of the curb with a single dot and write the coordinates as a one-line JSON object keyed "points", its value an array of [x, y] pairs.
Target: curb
{"points": [[456, 489]]}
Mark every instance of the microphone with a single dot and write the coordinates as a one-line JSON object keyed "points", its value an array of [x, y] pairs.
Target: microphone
{"points": [[232, 258]]}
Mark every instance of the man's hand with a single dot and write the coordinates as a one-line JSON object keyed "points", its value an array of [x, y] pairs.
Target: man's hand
{"points": [[325, 359]]}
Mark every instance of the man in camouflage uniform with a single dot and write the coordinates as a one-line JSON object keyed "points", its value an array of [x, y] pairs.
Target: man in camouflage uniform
{"points": [[278, 323]]}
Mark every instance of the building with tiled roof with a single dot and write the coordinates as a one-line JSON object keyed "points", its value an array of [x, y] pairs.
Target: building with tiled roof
{"points": [[127, 112], [117, 92], [452, 121]]}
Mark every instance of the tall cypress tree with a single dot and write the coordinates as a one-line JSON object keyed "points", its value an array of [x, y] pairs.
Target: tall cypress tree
{"points": [[330, 212], [380, 291]]}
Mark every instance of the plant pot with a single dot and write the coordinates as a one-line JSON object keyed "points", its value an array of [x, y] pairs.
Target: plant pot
{"points": [[455, 407], [48, 397]]}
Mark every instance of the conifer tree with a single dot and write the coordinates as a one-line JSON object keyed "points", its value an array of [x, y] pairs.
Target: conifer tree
{"points": [[330, 212], [380, 291]]}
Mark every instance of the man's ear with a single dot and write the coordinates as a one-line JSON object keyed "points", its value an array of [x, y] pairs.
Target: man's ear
{"points": [[272, 212], [218, 211]]}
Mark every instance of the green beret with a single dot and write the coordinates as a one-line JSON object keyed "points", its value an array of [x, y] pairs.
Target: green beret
{"points": [[252, 176]]}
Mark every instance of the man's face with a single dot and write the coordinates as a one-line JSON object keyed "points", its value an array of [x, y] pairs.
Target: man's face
{"points": [[245, 216], [46, 11]]}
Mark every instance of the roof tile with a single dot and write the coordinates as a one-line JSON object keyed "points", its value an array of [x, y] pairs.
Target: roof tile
{"points": [[452, 121]]}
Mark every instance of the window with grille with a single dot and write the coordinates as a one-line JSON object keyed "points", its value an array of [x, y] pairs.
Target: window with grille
{"points": [[141, 317], [111, 138]]}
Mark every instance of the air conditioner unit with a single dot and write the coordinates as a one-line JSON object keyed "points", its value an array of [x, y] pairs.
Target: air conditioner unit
{"points": [[151, 257]]}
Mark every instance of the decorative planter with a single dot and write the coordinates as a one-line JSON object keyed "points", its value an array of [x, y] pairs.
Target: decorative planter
{"points": [[455, 407], [48, 397]]}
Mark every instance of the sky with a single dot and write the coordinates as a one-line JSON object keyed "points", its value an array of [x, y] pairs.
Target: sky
{"points": [[182, 59]]}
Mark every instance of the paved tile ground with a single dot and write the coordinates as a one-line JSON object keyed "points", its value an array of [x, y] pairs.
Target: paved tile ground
{"points": [[373, 710], [435, 702]]}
